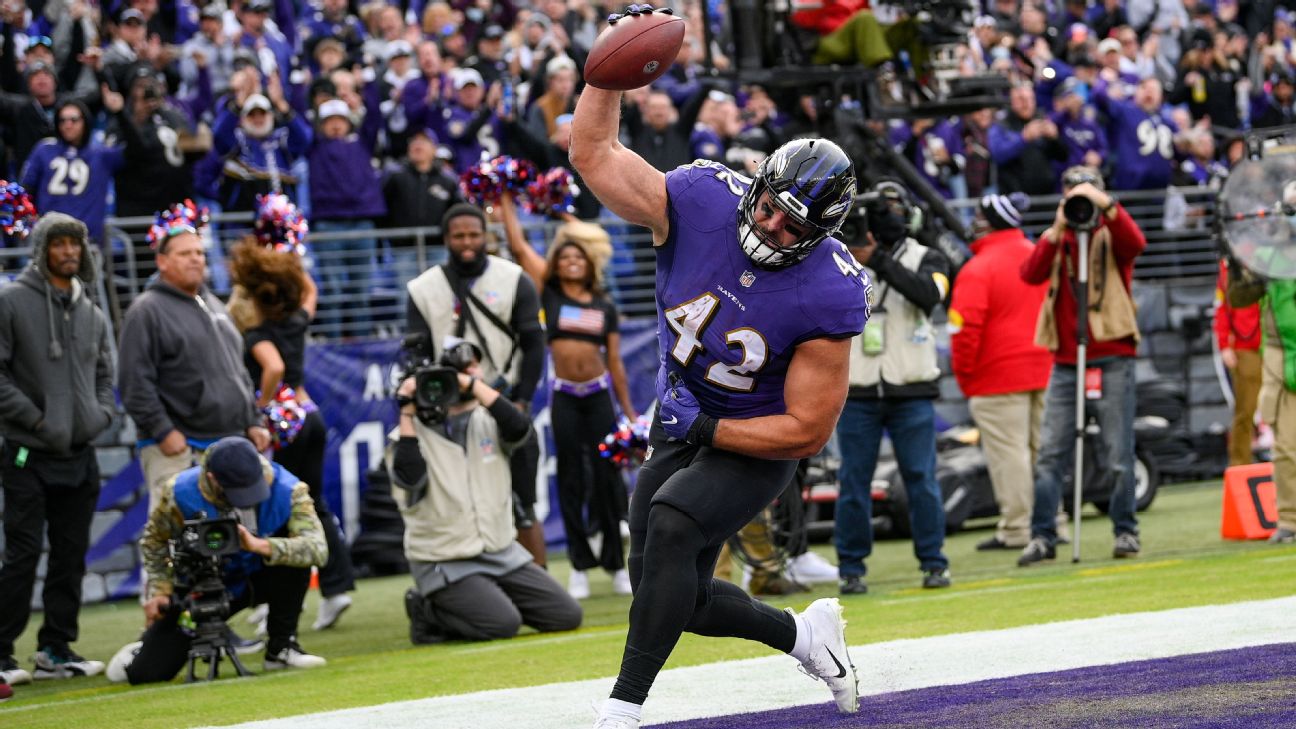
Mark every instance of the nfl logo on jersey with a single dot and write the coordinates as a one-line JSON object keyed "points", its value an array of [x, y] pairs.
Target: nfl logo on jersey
{"points": [[487, 446], [747, 279]]}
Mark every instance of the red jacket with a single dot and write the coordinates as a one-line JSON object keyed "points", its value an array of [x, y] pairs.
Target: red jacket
{"points": [[992, 314], [1234, 328], [825, 17], [1127, 243]]}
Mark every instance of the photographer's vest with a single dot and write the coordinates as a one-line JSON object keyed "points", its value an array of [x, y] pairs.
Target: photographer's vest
{"points": [[496, 288], [272, 515], [908, 351], [468, 507], [1112, 313]]}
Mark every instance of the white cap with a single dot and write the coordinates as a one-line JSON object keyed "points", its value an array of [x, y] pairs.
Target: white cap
{"points": [[1108, 45], [256, 101], [465, 76], [398, 47], [333, 107]]}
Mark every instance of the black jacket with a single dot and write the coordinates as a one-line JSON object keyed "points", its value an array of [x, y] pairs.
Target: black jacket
{"points": [[669, 148], [417, 199]]}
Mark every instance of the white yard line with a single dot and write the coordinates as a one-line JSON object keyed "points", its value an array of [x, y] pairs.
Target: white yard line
{"points": [[763, 684]]}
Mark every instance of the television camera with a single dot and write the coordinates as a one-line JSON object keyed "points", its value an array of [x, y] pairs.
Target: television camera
{"points": [[436, 381], [198, 557]]}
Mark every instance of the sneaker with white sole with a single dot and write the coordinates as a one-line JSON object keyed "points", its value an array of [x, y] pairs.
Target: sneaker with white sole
{"points": [[616, 722], [121, 660], [810, 568], [330, 609], [578, 585], [55, 661], [292, 656], [621, 582], [828, 660], [12, 673]]}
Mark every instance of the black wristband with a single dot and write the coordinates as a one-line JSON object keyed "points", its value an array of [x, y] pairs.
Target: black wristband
{"points": [[702, 432]]}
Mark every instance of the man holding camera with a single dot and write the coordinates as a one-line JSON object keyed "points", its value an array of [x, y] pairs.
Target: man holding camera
{"points": [[473, 580], [488, 301], [893, 381], [1115, 241], [281, 539]]}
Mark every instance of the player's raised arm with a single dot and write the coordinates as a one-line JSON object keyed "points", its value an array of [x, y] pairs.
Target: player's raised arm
{"points": [[631, 52], [618, 177]]}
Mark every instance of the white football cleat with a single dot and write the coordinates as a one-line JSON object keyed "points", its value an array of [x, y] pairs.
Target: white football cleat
{"points": [[828, 659]]}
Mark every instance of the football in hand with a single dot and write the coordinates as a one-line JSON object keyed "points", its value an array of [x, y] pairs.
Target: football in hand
{"points": [[634, 51]]}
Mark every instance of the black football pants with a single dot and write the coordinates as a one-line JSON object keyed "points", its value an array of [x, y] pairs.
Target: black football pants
{"points": [[687, 502]]}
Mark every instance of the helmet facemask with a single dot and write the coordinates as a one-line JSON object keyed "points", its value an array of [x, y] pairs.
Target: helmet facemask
{"points": [[784, 193]]}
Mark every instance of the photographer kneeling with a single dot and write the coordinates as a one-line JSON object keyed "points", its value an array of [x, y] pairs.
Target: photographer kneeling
{"points": [[473, 580], [281, 539]]}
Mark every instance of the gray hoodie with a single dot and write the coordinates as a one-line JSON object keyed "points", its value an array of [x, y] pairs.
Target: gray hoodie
{"points": [[182, 367], [56, 367]]}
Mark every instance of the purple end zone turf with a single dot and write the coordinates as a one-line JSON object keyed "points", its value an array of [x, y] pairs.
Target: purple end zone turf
{"points": [[1247, 687]]}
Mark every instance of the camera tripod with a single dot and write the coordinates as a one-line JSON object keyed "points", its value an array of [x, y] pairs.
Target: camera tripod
{"points": [[210, 644]]}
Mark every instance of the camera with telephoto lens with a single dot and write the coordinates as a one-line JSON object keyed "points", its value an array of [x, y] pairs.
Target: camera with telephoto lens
{"points": [[1080, 212], [436, 381], [197, 556]]}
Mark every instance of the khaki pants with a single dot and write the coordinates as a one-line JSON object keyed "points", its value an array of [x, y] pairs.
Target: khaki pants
{"points": [[1278, 409], [1246, 393], [160, 468], [1010, 429]]}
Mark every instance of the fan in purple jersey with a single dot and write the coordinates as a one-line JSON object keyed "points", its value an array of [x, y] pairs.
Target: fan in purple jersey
{"points": [[757, 303], [70, 173]]}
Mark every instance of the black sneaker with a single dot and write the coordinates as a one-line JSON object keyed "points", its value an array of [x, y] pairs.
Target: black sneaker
{"points": [[12, 673], [1037, 550], [1127, 545], [936, 578], [54, 661], [423, 630], [853, 586], [993, 543], [1282, 536]]}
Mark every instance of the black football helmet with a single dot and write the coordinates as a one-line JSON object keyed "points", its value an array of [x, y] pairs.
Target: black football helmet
{"points": [[813, 181]]}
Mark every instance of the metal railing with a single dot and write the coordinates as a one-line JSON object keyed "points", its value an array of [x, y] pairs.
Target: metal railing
{"points": [[362, 273]]}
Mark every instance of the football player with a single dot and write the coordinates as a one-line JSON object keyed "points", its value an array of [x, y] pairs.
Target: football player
{"points": [[757, 304]]}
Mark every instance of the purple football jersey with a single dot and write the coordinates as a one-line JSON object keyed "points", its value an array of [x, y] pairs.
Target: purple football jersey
{"points": [[729, 326]]}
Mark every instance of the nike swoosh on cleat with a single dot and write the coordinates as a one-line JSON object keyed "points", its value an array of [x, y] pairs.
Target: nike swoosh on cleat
{"points": [[673, 420], [841, 670]]}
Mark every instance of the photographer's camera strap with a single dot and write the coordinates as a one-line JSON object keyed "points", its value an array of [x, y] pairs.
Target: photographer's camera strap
{"points": [[463, 292]]}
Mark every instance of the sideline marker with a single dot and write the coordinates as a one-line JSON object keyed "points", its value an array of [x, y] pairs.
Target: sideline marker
{"points": [[1250, 502]]}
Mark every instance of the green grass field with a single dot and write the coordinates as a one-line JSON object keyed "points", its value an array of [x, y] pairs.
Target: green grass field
{"points": [[1184, 563]]}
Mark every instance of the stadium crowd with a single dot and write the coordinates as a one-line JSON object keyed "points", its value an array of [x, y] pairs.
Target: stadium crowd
{"points": [[366, 117]]}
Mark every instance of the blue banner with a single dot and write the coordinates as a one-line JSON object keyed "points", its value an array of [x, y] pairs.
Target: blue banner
{"points": [[353, 382]]}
